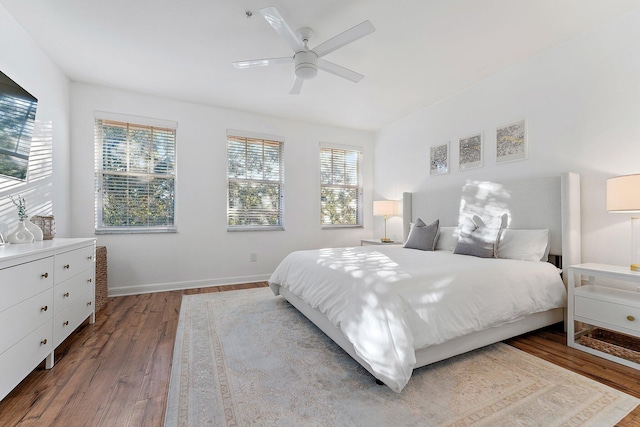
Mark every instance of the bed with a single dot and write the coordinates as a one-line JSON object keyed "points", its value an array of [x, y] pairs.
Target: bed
{"points": [[395, 309]]}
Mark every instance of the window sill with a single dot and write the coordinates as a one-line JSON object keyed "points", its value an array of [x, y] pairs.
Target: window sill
{"points": [[132, 230], [338, 226], [242, 228]]}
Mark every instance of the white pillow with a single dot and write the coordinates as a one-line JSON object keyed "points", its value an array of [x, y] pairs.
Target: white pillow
{"points": [[447, 238], [525, 245]]}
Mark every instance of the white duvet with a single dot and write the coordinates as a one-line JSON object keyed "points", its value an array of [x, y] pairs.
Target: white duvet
{"points": [[390, 301]]}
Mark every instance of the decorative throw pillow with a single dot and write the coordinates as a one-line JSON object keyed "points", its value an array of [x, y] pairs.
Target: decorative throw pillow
{"points": [[423, 236], [479, 239], [504, 220]]}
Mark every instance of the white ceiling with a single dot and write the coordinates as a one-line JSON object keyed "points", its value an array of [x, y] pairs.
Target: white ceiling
{"points": [[421, 52]]}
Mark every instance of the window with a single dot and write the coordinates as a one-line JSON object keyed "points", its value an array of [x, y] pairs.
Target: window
{"points": [[340, 186], [255, 183], [135, 176]]}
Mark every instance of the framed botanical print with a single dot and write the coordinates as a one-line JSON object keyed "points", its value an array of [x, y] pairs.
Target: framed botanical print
{"points": [[439, 157], [470, 155], [511, 142]]}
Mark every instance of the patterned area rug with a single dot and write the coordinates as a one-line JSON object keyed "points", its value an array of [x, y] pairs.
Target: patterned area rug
{"points": [[249, 358]]}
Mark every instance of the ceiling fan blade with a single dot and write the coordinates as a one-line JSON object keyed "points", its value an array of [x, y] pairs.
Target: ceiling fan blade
{"points": [[278, 23], [262, 62], [297, 85], [336, 69], [345, 38]]}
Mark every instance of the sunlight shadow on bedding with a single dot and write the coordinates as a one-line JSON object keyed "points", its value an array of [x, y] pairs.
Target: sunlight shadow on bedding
{"points": [[485, 199], [380, 274], [383, 307]]}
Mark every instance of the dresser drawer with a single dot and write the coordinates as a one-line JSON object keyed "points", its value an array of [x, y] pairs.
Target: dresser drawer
{"points": [[23, 281], [68, 264], [24, 318], [23, 357], [611, 313], [65, 293], [71, 317]]}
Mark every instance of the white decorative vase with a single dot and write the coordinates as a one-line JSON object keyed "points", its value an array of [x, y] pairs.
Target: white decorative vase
{"points": [[35, 230], [20, 234]]}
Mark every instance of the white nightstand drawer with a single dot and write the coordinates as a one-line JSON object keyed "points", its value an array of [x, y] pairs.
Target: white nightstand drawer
{"points": [[620, 315]]}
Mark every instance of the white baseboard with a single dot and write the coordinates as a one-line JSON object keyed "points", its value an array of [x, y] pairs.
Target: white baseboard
{"points": [[119, 291]]}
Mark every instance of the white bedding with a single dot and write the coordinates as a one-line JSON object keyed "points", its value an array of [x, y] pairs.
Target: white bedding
{"points": [[389, 301]]}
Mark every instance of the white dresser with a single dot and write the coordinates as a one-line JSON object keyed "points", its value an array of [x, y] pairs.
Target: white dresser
{"points": [[46, 292]]}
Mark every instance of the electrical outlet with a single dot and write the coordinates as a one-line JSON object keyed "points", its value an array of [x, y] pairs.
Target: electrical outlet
{"points": [[253, 257]]}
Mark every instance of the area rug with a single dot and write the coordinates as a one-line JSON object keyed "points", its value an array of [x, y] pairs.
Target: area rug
{"points": [[249, 358]]}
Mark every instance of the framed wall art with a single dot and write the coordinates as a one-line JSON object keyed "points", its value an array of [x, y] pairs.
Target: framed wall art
{"points": [[439, 159], [511, 142], [470, 151]]}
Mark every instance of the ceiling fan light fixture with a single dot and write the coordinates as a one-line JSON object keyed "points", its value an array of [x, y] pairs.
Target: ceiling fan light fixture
{"points": [[307, 61], [306, 64]]}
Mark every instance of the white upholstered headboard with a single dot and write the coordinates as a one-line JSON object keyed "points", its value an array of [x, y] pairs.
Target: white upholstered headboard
{"points": [[549, 202]]}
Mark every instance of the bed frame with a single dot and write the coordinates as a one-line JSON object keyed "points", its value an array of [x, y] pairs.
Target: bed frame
{"points": [[552, 203]]}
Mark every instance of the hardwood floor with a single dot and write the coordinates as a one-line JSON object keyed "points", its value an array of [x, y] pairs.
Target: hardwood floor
{"points": [[116, 371]]}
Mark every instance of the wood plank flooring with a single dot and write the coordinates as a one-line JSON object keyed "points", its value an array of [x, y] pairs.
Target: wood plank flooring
{"points": [[116, 371]]}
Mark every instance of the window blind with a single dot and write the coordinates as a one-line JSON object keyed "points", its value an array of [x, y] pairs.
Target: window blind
{"points": [[340, 187], [135, 177], [255, 183]]}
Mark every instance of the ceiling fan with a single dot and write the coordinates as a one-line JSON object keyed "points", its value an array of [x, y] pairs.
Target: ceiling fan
{"points": [[307, 61]]}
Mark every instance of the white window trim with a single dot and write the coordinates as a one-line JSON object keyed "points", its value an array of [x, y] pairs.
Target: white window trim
{"points": [[360, 149], [138, 120], [144, 121], [267, 137]]}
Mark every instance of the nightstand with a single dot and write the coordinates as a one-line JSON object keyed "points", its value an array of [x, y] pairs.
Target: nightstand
{"points": [[365, 242], [603, 306]]}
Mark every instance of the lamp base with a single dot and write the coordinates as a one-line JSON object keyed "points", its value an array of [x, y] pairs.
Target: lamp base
{"points": [[635, 267], [385, 240]]}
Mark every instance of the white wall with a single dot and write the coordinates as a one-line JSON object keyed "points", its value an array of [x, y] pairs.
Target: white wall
{"points": [[582, 103], [203, 252], [47, 189]]}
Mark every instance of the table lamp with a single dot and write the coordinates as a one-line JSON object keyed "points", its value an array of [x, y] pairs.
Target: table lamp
{"points": [[623, 196], [385, 208]]}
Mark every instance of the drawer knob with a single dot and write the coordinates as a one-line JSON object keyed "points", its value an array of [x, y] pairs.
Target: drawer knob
{"points": [[65, 323], [43, 342], [66, 294], [631, 318], [90, 280], [45, 308], [66, 266], [45, 275]]}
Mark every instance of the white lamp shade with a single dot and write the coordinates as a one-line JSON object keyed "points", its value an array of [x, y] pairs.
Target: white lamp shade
{"points": [[385, 207], [623, 193]]}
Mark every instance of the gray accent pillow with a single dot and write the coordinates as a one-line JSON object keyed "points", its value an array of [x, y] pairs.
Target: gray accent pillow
{"points": [[479, 239], [423, 236]]}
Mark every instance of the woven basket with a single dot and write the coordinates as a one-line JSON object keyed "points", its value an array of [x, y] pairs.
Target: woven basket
{"points": [[613, 343], [47, 224], [102, 289]]}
